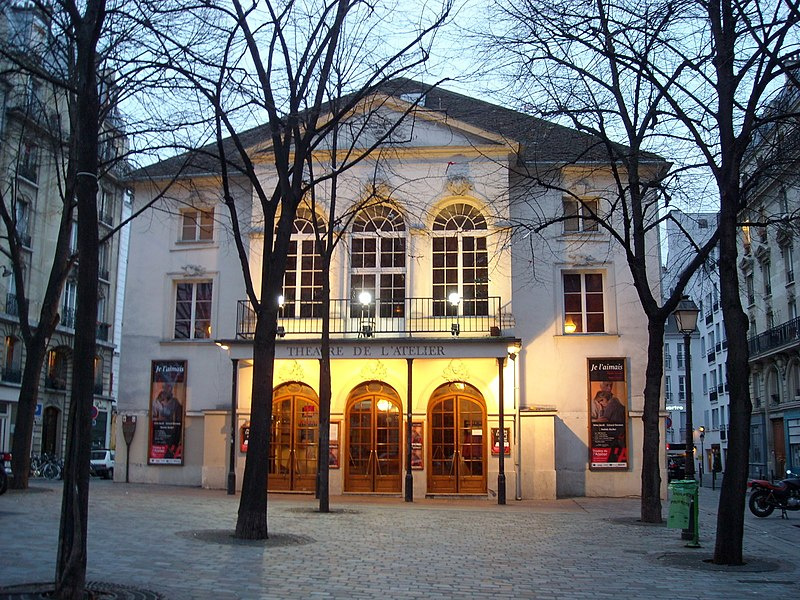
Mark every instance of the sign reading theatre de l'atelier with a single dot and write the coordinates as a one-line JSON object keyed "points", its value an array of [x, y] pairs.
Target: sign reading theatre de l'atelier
{"points": [[608, 414]]}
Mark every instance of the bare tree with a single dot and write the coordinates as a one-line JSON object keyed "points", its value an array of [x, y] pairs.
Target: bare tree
{"points": [[693, 78], [273, 61]]}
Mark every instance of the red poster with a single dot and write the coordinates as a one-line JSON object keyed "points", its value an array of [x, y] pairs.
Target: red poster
{"points": [[167, 400], [608, 414]]}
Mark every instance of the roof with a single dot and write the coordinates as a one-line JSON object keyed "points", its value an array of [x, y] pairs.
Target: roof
{"points": [[541, 141]]}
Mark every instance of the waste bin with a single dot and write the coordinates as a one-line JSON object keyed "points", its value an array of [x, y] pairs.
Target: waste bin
{"points": [[683, 508]]}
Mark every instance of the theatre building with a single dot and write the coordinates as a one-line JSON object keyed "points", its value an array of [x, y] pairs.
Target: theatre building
{"points": [[448, 312]]}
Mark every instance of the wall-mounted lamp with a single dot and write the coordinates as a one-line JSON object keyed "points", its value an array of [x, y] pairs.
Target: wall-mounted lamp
{"points": [[569, 326], [454, 298], [513, 351], [281, 300], [221, 345], [365, 298]]}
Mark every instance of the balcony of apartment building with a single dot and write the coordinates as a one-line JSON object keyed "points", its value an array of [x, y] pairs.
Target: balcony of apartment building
{"points": [[409, 317], [777, 339], [68, 321]]}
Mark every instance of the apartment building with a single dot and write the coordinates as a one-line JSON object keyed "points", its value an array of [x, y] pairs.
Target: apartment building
{"points": [[33, 127]]}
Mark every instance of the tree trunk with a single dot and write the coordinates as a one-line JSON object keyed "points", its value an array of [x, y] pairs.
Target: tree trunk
{"points": [[730, 513], [73, 529], [323, 478], [251, 523], [22, 445], [651, 444]]}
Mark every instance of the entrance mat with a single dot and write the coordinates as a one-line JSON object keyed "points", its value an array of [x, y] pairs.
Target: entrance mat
{"points": [[226, 537]]}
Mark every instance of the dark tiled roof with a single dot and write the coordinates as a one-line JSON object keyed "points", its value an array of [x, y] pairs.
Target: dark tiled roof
{"points": [[541, 141]]}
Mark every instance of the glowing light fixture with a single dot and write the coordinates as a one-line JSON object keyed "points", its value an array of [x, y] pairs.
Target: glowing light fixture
{"points": [[569, 326]]}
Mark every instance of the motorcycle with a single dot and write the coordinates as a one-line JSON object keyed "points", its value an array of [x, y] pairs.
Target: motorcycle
{"points": [[765, 496], [4, 456]]}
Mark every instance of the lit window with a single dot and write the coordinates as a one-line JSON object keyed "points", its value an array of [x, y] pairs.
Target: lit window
{"points": [[584, 311], [197, 225], [302, 280], [378, 259], [460, 260], [579, 215], [193, 310]]}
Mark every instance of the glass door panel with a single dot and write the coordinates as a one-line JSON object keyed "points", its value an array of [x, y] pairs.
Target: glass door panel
{"points": [[373, 446], [294, 443]]}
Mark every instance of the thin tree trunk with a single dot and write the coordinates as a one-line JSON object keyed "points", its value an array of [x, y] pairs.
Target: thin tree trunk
{"points": [[73, 529], [730, 513], [651, 465], [323, 486]]}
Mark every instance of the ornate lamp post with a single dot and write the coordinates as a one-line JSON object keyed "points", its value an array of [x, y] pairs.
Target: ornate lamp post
{"points": [[686, 318]]}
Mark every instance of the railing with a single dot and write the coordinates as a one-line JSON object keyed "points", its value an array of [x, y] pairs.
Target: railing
{"points": [[68, 317], [712, 396], [782, 335], [712, 356], [12, 306], [102, 331], [12, 375], [472, 317]]}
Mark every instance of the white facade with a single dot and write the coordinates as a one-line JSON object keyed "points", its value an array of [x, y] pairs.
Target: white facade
{"points": [[451, 195]]}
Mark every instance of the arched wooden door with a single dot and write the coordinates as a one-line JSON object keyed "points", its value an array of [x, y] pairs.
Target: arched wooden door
{"points": [[373, 453], [458, 440], [294, 442], [50, 419]]}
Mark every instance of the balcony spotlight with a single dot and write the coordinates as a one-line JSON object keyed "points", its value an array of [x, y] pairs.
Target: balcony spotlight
{"points": [[281, 332], [281, 301], [454, 298], [365, 298]]}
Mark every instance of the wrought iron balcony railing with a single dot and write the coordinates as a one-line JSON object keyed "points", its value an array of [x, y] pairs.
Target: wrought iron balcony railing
{"points": [[408, 317], [783, 335]]}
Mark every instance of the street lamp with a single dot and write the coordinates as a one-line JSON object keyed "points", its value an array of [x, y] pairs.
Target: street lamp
{"points": [[232, 451], [702, 431], [454, 298], [686, 318]]}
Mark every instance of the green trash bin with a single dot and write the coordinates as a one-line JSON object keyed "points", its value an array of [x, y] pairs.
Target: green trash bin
{"points": [[684, 494]]}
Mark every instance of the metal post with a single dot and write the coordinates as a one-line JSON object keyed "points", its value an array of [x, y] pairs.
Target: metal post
{"points": [[232, 463], [689, 425], [501, 475], [409, 396]]}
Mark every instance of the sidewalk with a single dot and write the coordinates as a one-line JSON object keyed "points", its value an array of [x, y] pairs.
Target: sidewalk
{"points": [[176, 542]]}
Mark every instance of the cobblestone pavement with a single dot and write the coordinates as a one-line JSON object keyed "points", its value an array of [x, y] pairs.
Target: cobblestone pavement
{"points": [[177, 542]]}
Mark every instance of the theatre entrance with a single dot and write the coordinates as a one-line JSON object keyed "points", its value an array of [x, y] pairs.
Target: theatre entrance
{"points": [[457, 417], [294, 443], [373, 454]]}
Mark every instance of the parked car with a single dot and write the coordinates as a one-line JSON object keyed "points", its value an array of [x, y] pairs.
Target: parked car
{"points": [[676, 467], [102, 463]]}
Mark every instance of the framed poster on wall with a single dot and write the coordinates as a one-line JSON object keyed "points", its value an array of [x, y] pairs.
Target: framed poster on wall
{"points": [[608, 414], [333, 454], [506, 440], [167, 402], [417, 454]]}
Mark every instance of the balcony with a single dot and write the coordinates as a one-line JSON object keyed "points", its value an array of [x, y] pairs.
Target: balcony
{"points": [[429, 317], [712, 357], [12, 306], [712, 396], [783, 336], [68, 317], [102, 331], [12, 375]]}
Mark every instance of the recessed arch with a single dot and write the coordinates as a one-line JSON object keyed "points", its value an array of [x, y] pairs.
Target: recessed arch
{"points": [[457, 438], [294, 442], [373, 454]]}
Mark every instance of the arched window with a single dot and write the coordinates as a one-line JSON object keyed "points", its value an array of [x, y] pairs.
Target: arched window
{"points": [[460, 260], [302, 281], [378, 259]]}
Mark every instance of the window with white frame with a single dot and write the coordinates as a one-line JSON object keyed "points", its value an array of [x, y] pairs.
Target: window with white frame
{"points": [[788, 263], [460, 261], [22, 212], [193, 310], [69, 301], [668, 388], [579, 214], [106, 207], [765, 271], [378, 259], [680, 355], [584, 307], [682, 388], [705, 385], [197, 225], [302, 281]]}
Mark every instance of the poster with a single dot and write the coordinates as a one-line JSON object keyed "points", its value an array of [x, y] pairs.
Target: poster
{"points": [[167, 400], [416, 446], [333, 454], [506, 440], [608, 414]]}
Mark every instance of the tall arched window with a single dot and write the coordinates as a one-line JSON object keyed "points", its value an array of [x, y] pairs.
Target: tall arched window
{"points": [[302, 281], [378, 258], [460, 260]]}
